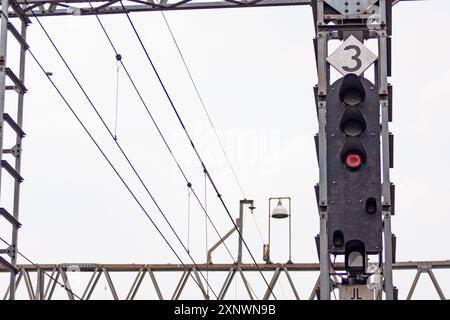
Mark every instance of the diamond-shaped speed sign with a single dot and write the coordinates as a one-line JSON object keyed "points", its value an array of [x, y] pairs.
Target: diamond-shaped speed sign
{"points": [[352, 56]]}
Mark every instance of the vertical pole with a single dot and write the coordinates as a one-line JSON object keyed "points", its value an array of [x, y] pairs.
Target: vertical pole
{"points": [[18, 156], [268, 235], [290, 233], [386, 187], [241, 228], [388, 273], [3, 52], [322, 71], [40, 285]]}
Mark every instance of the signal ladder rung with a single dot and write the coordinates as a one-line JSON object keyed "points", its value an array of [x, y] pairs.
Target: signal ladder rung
{"points": [[17, 35], [13, 125], [19, 84], [10, 218], [5, 165]]}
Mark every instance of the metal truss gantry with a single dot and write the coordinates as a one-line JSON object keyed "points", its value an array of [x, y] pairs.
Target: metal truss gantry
{"points": [[83, 7], [21, 11], [39, 286]]}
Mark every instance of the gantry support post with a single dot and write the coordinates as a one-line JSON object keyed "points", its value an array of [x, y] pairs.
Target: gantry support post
{"points": [[14, 126], [321, 41], [383, 73]]}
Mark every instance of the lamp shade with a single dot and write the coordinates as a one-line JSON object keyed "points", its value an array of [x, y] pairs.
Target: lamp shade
{"points": [[280, 212]]}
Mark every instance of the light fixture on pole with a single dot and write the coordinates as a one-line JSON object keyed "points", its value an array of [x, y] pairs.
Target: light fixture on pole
{"points": [[279, 212]]}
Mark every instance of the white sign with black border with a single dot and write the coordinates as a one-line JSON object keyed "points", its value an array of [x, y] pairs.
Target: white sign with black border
{"points": [[352, 56]]}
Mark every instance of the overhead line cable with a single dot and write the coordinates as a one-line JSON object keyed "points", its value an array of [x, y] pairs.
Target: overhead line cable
{"points": [[200, 98], [117, 144], [111, 164], [193, 146], [125, 155], [163, 137], [203, 104]]}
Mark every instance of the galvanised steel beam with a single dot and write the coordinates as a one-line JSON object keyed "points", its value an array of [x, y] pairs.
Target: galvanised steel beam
{"points": [[246, 267], [83, 7], [51, 272]]}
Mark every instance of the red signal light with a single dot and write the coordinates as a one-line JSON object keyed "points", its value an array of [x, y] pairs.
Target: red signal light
{"points": [[353, 160]]}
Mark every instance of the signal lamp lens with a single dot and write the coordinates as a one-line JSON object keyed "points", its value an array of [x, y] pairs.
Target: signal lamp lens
{"points": [[338, 238], [355, 260], [371, 205], [353, 128], [352, 97], [353, 160]]}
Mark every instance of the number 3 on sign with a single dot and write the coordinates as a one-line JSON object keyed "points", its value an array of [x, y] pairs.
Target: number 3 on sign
{"points": [[352, 57]]}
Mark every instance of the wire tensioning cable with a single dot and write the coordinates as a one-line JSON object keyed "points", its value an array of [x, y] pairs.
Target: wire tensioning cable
{"points": [[202, 103], [200, 98], [163, 138], [119, 147], [46, 273], [112, 165], [193, 146]]}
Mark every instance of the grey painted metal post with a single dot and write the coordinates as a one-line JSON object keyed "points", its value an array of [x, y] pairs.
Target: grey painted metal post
{"points": [[290, 233], [322, 72], [386, 186], [241, 229], [3, 54], [18, 155], [242, 204], [40, 284], [3, 51], [387, 271]]}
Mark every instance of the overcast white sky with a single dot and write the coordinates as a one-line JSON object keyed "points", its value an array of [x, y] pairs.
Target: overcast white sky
{"points": [[255, 70]]}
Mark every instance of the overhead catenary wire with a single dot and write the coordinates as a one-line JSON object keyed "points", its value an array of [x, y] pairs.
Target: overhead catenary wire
{"points": [[194, 148], [86, 130], [45, 273], [163, 137], [208, 116], [200, 98], [120, 148]]}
